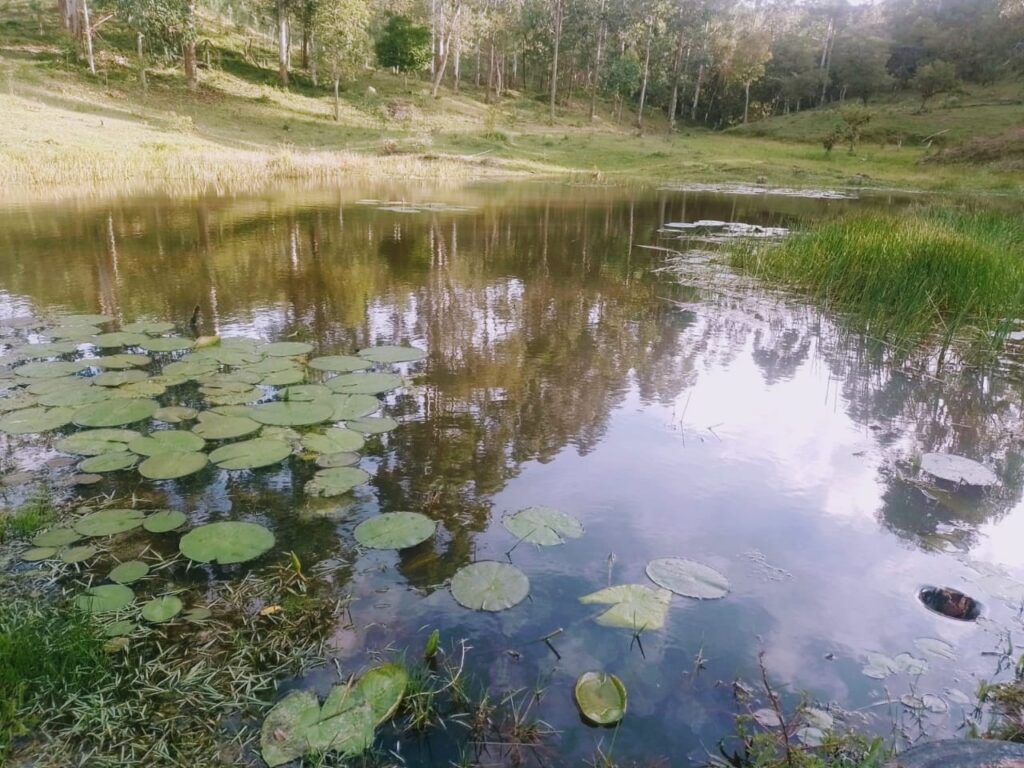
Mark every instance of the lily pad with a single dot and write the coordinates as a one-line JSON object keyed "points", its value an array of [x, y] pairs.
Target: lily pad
{"points": [[93, 442], [52, 370], [392, 354], [335, 481], [338, 364], [489, 586], [283, 378], [349, 407], [214, 426], [17, 401], [190, 369], [121, 361], [879, 666], [767, 718], [119, 378], [161, 609], [74, 332], [395, 530], [285, 733], [543, 526], [382, 688], [114, 461], [935, 647], [129, 571], [958, 469], [118, 339], [149, 327], [166, 344], [329, 460], [251, 454], [116, 412], [35, 420], [304, 393], [56, 537], [601, 698], [287, 349], [76, 393], [688, 578], [292, 414], [633, 606], [73, 555], [226, 542], [84, 478], [105, 599], [171, 465], [107, 522], [164, 521], [86, 319], [175, 414], [911, 664], [372, 425], [165, 441], [36, 554], [148, 388], [119, 628], [197, 615], [364, 383], [334, 440]]}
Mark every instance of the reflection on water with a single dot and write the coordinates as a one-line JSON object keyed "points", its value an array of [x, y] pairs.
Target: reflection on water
{"points": [[674, 416]]}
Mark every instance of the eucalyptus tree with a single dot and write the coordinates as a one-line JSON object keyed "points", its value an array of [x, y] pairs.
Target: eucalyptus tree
{"points": [[342, 42]]}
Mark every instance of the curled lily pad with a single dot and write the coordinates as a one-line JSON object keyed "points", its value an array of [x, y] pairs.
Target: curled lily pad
{"points": [[633, 606], [165, 441], [287, 349], [226, 542], [36, 554], [329, 460], [338, 364], [392, 354], [164, 521], [348, 407], [214, 426], [129, 571], [171, 465], [489, 586], [119, 378], [382, 688], [166, 344], [286, 729], [161, 609], [601, 697], [73, 555], [958, 469], [107, 522], [56, 537], [35, 420], [116, 412], [251, 454], [175, 414], [372, 425], [335, 481], [543, 525], [93, 442], [364, 383], [688, 578], [291, 414], [333, 440], [105, 599], [109, 462], [395, 530]]}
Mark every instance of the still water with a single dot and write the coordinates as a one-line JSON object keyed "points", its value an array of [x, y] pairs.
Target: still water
{"points": [[674, 411]]}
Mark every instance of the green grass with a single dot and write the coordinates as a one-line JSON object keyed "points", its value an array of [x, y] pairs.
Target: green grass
{"points": [[928, 277], [27, 519]]}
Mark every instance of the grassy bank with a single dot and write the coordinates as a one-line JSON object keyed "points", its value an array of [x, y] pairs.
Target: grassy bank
{"points": [[932, 277]]}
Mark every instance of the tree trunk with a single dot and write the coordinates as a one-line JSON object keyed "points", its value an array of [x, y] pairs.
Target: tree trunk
{"points": [[457, 65], [490, 73], [142, 60], [188, 47], [337, 99], [696, 92], [87, 31], [282, 42], [554, 57], [746, 101], [647, 72], [826, 58], [677, 73], [314, 70], [602, 30], [445, 46]]}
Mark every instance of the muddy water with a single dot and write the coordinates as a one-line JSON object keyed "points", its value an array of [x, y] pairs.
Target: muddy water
{"points": [[676, 412]]}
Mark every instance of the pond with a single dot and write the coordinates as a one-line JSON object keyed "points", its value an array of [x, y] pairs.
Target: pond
{"points": [[580, 355]]}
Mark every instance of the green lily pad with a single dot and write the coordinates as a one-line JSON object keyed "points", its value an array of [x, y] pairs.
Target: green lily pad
{"points": [[349, 407], [304, 393], [36, 554], [231, 394], [52, 370], [392, 354], [270, 365], [284, 434], [489, 586], [129, 571], [382, 688], [688, 578], [161, 609], [107, 522], [73, 555], [120, 628], [56, 537], [334, 440], [336, 481], [395, 530], [286, 729], [116, 412], [372, 425], [633, 606], [214, 426], [35, 420], [93, 442], [119, 378], [171, 465], [958, 469], [41, 351], [226, 542], [331, 460], [166, 344], [284, 378], [105, 599], [164, 521], [364, 383], [197, 615], [149, 327], [76, 393], [224, 355], [287, 349], [166, 441], [879, 666], [190, 369], [147, 388], [114, 461], [72, 332], [933, 646], [175, 414], [601, 698], [291, 414], [338, 364], [84, 478], [251, 454], [543, 525], [17, 401], [118, 339], [121, 361], [86, 319]]}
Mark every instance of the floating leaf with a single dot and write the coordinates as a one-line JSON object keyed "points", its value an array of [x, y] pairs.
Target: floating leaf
{"points": [[633, 606], [348, 407], [73, 555], [120, 628], [35, 420], [109, 462], [392, 354], [17, 402], [334, 440], [129, 571], [810, 736], [121, 361], [935, 647], [166, 344], [958, 469], [197, 615], [76, 332], [107, 522], [226, 542], [601, 697], [52, 370], [118, 339], [175, 414], [251, 454], [818, 718], [285, 733], [115, 413], [105, 599], [364, 383], [335, 481], [338, 364], [329, 460], [372, 425], [489, 586], [395, 530], [283, 378], [149, 327], [270, 365], [879, 666], [190, 369], [910, 664], [291, 414], [84, 478], [214, 426], [928, 701], [93, 442], [74, 394], [957, 696], [86, 319], [287, 349], [768, 718], [56, 537], [172, 465], [304, 393], [161, 609], [543, 526], [164, 521], [688, 578], [36, 554], [346, 724], [119, 378], [166, 441], [382, 688], [236, 393]]}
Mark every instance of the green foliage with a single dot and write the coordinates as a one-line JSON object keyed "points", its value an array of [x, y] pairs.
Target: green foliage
{"points": [[934, 78], [854, 119], [342, 40], [623, 76], [403, 45], [28, 518], [860, 66]]}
